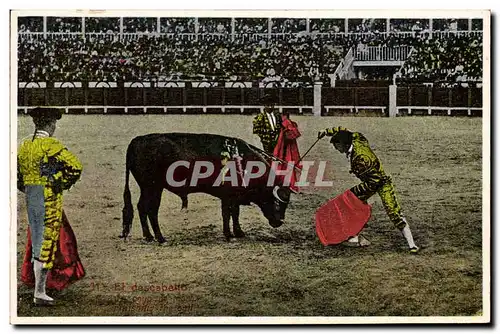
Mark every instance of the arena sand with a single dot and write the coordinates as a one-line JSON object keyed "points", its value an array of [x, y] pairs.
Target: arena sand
{"points": [[435, 163]]}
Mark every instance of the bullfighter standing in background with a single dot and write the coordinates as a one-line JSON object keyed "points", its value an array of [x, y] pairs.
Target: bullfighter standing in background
{"points": [[45, 169], [267, 124]]}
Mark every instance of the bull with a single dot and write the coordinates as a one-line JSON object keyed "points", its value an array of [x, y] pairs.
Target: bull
{"points": [[149, 158]]}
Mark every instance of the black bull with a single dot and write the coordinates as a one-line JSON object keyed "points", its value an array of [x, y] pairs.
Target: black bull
{"points": [[150, 156]]}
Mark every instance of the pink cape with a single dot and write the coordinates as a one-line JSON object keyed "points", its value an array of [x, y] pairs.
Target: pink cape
{"points": [[67, 265], [341, 218]]}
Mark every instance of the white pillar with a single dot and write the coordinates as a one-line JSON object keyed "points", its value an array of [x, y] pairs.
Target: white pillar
{"points": [[158, 25], [196, 27], [392, 101], [269, 27], [317, 98], [233, 28], [45, 27]]}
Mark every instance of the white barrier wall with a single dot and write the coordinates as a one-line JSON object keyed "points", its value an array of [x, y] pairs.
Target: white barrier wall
{"points": [[317, 98], [391, 109]]}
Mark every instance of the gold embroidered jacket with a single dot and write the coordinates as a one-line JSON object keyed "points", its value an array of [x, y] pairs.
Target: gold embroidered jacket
{"points": [[45, 161], [262, 128], [367, 167], [45, 169]]}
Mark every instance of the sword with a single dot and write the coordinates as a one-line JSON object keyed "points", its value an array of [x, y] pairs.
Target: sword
{"points": [[310, 148], [286, 162], [272, 157]]}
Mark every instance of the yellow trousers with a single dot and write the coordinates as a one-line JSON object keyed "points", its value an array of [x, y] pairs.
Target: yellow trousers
{"points": [[387, 194], [45, 219]]}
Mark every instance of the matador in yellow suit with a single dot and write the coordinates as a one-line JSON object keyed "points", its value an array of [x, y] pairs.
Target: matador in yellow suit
{"points": [[45, 169], [368, 168]]}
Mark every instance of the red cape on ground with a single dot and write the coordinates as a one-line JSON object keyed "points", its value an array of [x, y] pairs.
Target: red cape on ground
{"points": [[67, 265], [341, 218]]}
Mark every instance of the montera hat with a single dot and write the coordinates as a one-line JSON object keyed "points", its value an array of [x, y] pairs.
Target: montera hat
{"points": [[45, 113], [339, 134], [267, 99]]}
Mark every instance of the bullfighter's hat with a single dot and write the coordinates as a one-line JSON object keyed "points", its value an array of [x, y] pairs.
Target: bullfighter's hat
{"points": [[339, 134], [267, 99], [45, 113]]}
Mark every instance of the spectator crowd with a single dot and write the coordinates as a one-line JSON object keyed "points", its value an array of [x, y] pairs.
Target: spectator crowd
{"points": [[177, 25], [292, 55], [59, 58], [452, 59]]}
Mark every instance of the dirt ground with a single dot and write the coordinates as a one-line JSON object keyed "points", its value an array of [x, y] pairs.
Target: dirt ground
{"points": [[436, 165]]}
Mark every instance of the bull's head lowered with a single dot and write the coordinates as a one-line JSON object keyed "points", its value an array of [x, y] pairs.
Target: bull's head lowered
{"points": [[273, 204]]}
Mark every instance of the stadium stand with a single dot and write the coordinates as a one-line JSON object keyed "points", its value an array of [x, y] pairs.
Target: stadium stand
{"points": [[451, 59], [70, 58], [251, 25], [284, 50], [177, 25], [102, 25]]}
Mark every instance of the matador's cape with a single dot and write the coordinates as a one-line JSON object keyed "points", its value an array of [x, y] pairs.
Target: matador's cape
{"points": [[287, 149], [341, 218], [67, 266], [345, 216]]}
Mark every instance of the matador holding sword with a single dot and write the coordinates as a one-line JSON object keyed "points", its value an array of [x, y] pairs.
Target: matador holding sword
{"points": [[366, 166]]}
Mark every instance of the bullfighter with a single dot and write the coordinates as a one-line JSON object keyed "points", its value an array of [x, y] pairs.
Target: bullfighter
{"points": [[367, 167], [45, 168]]}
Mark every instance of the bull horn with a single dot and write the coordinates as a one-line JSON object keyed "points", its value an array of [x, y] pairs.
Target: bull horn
{"points": [[275, 194]]}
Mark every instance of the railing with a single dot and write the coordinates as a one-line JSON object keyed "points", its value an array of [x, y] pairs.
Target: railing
{"points": [[357, 109], [408, 110], [349, 57], [254, 36], [457, 33], [31, 35], [348, 60], [383, 53], [343, 67], [159, 96], [336, 74], [166, 109], [449, 111], [403, 100]]}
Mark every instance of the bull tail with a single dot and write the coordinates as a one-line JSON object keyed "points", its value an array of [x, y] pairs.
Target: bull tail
{"points": [[128, 209]]}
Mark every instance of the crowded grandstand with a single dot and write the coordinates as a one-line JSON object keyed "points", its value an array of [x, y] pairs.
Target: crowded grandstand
{"points": [[286, 51]]}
